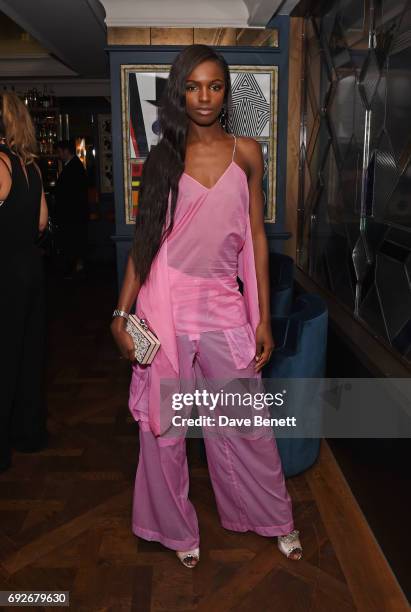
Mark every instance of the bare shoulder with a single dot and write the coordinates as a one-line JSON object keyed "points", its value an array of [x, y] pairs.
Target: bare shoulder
{"points": [[6, 159], [5, 176], [250, 152]]}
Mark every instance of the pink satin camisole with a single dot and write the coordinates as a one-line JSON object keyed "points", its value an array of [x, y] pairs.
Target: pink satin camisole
{"points": [[203, 249]]}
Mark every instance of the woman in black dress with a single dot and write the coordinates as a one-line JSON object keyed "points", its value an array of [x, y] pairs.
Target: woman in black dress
{"points": [[23, 215]]}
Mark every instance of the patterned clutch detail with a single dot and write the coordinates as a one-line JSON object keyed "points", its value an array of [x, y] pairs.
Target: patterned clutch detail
{"points": [[146, 343]]}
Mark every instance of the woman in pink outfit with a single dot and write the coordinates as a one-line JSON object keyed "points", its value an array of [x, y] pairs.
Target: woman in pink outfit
{"points": [[200, 225]]}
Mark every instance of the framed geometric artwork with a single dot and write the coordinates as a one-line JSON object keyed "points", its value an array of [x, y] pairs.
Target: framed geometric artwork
{"points": [[254, 113]]}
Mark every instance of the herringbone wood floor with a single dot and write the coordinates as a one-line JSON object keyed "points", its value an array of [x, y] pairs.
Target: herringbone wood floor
{"points": [[65, 512]]}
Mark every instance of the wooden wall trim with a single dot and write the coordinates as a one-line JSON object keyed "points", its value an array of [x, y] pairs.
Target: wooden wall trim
{"points": [[223, 37], [293, 139], [128, 36]]}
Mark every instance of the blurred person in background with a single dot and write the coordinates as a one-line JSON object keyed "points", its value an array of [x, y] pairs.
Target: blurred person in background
{"points": [[23, 216], [71, 194]]}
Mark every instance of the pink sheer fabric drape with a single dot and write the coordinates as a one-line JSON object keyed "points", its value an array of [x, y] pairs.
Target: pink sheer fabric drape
{"points": [[192, 283]]}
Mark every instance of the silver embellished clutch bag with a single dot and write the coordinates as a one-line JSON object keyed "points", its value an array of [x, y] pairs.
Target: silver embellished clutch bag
{"points": [[146, 343]]}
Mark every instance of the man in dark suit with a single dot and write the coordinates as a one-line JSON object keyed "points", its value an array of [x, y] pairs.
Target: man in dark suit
{"points": [[72, 213]]}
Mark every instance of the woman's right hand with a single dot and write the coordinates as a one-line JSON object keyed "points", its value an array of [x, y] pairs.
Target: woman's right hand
{"points": [[122, 338]]}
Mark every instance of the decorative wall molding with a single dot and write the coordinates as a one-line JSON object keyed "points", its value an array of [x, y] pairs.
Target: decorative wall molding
{"points": [[235, 37]]}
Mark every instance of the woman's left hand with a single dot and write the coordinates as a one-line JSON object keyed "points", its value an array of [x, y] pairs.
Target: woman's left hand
{"points": [[264, 345]]}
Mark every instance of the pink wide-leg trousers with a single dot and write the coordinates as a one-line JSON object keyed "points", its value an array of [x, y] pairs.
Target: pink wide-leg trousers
{"points": [[246, 473]]}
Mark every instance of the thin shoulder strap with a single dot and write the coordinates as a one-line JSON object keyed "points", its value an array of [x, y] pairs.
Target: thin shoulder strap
{"points": [[235, 142], [1, 159]]}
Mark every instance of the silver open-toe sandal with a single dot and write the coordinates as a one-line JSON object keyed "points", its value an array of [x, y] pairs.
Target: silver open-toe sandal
{"points": [[289, 544], [185, 557]]}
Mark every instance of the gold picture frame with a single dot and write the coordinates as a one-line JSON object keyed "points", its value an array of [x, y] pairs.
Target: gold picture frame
{"points": [[255, 90]]}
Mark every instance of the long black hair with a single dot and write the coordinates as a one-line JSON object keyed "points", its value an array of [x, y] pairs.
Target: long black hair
{"points": [[165, 162]]}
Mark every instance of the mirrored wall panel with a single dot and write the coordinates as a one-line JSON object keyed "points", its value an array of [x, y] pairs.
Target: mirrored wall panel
{"points": [[354, 231]]}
